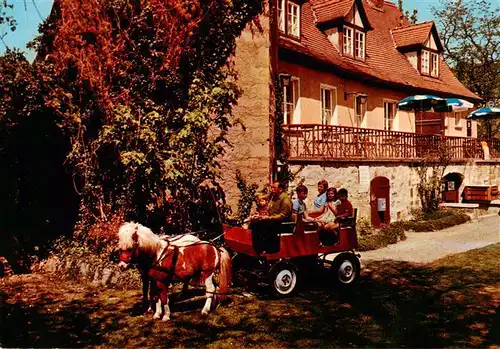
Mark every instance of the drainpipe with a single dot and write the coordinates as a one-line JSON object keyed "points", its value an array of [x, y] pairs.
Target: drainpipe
{"points": [[273, 56]]}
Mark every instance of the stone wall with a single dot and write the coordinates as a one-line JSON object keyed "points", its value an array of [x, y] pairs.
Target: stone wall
{"points": [[403, 182], [250, 152]]}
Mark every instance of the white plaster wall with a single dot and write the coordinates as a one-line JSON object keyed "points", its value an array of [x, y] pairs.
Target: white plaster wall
{"points": [[333, 36], [430, 43], [357, 17], [413, 59]]}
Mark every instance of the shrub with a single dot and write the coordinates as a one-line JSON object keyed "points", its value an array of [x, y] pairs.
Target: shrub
{"points": [[420, 215], [103, 235], [389, 234], [80, 261], [363, 226], [448, 219]]}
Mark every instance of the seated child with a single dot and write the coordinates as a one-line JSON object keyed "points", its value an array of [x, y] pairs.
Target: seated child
{"points": [[262, 201], [260, 210], [299, 206], [344, 209]]}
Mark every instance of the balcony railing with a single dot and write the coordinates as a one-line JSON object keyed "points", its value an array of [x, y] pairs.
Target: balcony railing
{"points": [[328, 142]]}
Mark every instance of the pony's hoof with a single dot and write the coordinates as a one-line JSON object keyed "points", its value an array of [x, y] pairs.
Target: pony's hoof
{"points": [[165, 318], [204, 312], [156, 316]]}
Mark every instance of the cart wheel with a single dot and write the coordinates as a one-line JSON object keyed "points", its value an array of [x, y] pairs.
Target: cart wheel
{"points": [[345, 270], [283, 279]]}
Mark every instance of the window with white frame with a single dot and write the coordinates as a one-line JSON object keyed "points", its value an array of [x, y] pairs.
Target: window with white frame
{"points": [[290, 99], [281, 15], [293, 19], [434, 64], [389, 115], [327, 105], [289, 17], [425, 62], [348, 41], [360, 44], [360, 109]]}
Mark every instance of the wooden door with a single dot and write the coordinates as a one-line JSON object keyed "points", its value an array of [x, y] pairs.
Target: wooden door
{"points": [[430, 123], [380, 201]]}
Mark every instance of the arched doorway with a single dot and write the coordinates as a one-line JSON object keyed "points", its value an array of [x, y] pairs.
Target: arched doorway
{"points": [[380, 201], [451, 186]]}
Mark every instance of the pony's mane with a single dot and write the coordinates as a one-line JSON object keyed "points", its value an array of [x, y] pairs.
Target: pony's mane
{"points": [[148, 241]]}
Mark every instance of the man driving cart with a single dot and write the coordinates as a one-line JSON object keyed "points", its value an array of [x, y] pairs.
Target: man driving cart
{"points": [[265, 228]]}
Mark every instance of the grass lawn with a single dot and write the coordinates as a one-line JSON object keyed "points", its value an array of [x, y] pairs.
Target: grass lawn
{"points": [[452, 302]]}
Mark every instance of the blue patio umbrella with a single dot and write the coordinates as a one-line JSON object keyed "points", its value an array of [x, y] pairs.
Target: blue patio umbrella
{"points": [[457, 104], [486, 113], [422, 103]]}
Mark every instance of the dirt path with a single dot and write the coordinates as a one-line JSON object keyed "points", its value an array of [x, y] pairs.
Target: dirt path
{"points": [[428, 247]]}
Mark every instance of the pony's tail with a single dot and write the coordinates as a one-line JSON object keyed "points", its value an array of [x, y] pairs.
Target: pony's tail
{"points": [[224, 274]]}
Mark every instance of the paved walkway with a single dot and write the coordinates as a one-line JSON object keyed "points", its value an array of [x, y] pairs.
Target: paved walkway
{"points": [[427, 247]]}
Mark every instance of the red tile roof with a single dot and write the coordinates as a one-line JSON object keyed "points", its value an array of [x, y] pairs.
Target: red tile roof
{"points": [[414, 34], [328, 10], [384, 62]]}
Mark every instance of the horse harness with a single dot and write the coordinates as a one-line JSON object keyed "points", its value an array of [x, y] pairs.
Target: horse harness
{"points": [[175, 256]]}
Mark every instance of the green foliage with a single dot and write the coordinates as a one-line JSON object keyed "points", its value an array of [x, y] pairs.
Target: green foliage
{"points": [[247, 198], [143, 94], [430, 171], [388, 234], [420, 215], [470, 36], [78, 260], [38, 200], [442, 220], [6, 19], [413, 17], [363, 226]]}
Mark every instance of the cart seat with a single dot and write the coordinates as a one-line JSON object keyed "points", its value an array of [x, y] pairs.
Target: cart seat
{"points": [[349, 222], [287, 227]]}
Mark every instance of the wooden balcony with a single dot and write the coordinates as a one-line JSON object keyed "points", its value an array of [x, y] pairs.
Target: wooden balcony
{"points": [[341, 143]]}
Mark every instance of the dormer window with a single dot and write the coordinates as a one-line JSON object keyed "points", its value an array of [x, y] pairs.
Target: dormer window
{"points": [[360, 45], [425, 62], [289, 17], [354, 43], [434, 65], [348, 46], [430, 63]]}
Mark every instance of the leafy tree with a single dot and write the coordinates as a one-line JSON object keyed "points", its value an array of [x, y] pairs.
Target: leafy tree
{"points": [[143, 91], [6, 19], [413, 17], [435, 159], [471, 37], [38, 200]]}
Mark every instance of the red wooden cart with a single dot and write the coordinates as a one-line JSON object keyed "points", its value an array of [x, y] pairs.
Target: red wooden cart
{"points": [[298, 242]]}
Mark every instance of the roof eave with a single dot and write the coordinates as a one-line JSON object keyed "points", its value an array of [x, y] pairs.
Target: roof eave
{"points": [[380, 82]]}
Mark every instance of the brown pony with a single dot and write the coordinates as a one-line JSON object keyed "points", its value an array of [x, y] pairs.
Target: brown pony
{"points": [[168, 262]]}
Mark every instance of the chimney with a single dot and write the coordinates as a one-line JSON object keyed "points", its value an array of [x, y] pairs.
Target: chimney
{"points": [[378, 4]]}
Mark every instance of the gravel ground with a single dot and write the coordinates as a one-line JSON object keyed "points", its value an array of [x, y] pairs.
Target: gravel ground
{"points": [[428, 247]]}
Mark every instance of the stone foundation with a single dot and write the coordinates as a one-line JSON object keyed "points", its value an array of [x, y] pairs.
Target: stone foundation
{"points": [[403, 181]]}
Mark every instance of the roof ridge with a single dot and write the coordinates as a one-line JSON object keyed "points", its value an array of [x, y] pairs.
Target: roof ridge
{"points": [[412, 26], [389, 3], [327, 3]]}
